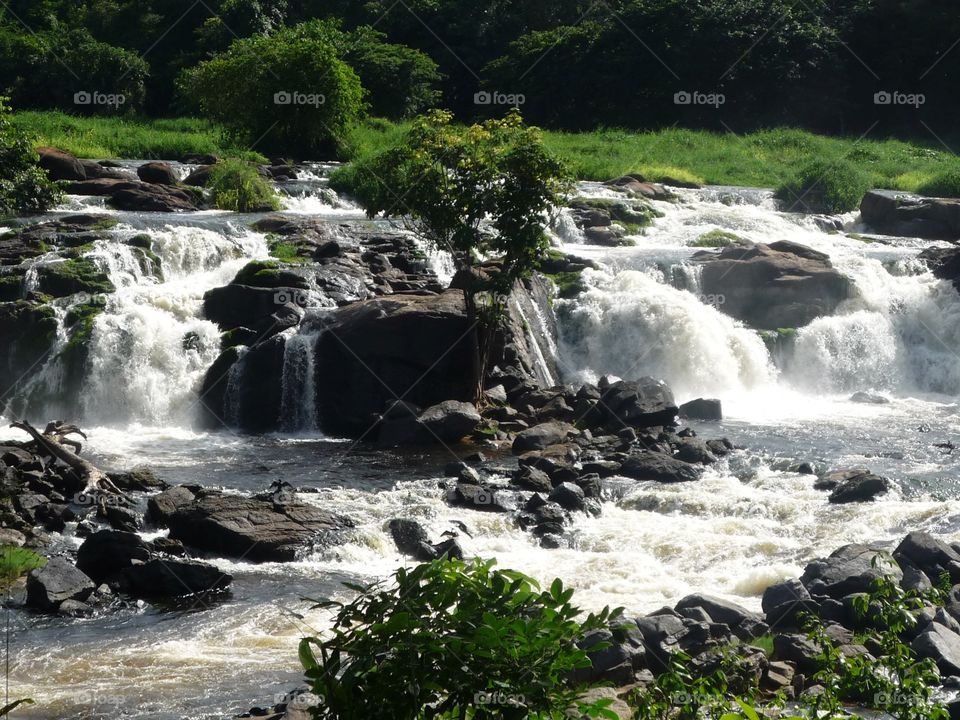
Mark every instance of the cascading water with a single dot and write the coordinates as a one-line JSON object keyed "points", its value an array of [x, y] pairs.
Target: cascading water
{"points": [[298, 409]]}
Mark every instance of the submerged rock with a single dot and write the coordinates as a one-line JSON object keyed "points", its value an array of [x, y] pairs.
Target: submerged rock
{"points": [[859, 488], [174, 578], [660, 467], [702, 409]]}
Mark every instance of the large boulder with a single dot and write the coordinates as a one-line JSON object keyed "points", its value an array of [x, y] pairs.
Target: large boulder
{"points": [[940, 644], [659, 467], [702, 409], [107, 553], [252, 529], [174, 578], [723, 611], [849, 569], [897, 213], [137, 196], [413, 347], [931, 556], [780, 285], [448, 422], [159, 173], [641, 403], [61, 165], [542, 436], [859, 488], [944, 263], [55, 583]]}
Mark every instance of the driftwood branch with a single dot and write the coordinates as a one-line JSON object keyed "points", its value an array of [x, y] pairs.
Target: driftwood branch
{"points": [[53, 441]]}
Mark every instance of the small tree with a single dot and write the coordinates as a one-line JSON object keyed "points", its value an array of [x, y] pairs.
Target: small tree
{"points": [[24, 186], [289, 92], [452, 640], [482, 193]]}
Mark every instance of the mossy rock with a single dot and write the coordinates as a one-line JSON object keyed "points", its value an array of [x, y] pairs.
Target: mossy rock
{"points": [[141, 240], [717, 239], [11, 285], [289, 252], [634, 213], [569, 284], [268, 274], [72, 276], [29, 332], [80, 322]]}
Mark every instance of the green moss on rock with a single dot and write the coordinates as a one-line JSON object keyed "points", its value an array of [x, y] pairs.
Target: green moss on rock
{"points": [[717, 239], [73, 276]]}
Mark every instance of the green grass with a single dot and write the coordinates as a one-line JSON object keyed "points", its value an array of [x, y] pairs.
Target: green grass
{"points": [[236, 185], [768, 158], [105, 137]]}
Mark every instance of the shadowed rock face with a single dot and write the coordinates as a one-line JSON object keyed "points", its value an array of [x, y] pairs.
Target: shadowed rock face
{"points": [[781, 285], [897, 213]]}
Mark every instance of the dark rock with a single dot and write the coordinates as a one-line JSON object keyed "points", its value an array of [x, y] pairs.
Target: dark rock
{"points": [[61, 165], [568, 496], [174, 578], [781, 285], [450, 421], [799, 651], [249, 528], [56, 582], [660, 467], [702, 409], [868, 398], [199, 177], [159, 173], [788, 591], [907, 215], [723, 611], [106, 553], [639, 403], [542, 436], [531, 478], [849, 569], [860, 488], [695, 450], [930, 555], [137, 196], [412, 539], [940, 644]]}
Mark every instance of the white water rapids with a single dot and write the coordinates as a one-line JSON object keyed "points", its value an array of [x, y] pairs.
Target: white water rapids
{"points": [[748, 523]]}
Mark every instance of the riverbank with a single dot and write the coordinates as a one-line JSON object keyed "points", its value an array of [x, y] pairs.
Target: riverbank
{"points": [[762, 159]]}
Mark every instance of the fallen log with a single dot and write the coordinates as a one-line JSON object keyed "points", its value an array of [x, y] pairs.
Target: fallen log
{"points": [[54, 442]]}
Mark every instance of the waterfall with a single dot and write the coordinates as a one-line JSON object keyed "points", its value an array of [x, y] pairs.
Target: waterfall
{"points": [[298, 409], [232, 396], [543, 367]]}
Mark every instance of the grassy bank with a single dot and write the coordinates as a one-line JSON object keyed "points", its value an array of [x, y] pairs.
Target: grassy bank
{"points": [[761, 159], [107, 137]]}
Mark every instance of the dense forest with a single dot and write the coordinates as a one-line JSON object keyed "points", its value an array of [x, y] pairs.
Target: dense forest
{"points": [[835, 66]]}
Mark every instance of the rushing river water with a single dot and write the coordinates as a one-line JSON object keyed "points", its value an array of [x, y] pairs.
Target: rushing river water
{"points": [[748, 523]]}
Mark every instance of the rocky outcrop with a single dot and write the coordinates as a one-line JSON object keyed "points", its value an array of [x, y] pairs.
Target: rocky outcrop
{"points": [[944, 263], [60, 165], [903, 214], [254, 529], [445, 423], [159, 173], [608, 222], [780, 285], [702, 409], [138, 196]]}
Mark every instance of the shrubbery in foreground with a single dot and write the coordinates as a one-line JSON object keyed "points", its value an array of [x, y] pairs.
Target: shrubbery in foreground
{"points": [[24, 187]]}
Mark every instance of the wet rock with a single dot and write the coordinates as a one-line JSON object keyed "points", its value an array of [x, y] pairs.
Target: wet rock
{"points": [[866, 398], [940, 644], [695, 450], [780, 285], [479, 497], [449, 421], [107, 553], [137, 196], [199, 177], [159, 173], [412, 539], [174, 578], [60, 165], [531, 478], [659, 467], [56, 582], [256, 530], [702, 409], [568, 496], [850, 569], [642, 403], [859, 488], [904, 214], [928, 554], [137, 479], [542, 436]]}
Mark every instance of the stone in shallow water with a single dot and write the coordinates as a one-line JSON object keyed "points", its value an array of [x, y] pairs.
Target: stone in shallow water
{"points": [[55, 583]]}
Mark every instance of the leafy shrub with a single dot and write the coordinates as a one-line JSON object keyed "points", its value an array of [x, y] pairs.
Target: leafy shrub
{"points": [[832, 186], [24, 187], [237, 185], [16, 562], [944, 184], [443, 639], [289, 92], [70, 70]]}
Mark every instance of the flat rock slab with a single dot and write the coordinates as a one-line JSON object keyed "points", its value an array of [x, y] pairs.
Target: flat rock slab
{"points": [[245, 528]]}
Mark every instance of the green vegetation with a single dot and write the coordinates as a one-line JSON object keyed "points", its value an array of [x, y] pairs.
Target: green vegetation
{"points": [[289, 92], [268, 274], [288, 252], [944, 184], [15, 562], [100, 137], [237, 185], [452, 640], [73, 276], [717, 239], [24, 187], [824, 186]]}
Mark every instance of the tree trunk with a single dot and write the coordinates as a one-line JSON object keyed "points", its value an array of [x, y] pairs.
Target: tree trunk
{"points": [[53, 442]]}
